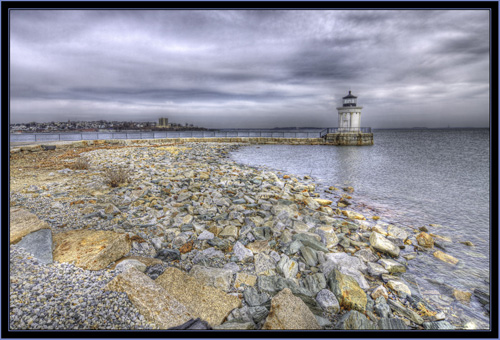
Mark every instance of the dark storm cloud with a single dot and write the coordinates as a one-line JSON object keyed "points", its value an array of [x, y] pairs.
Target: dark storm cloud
{"points": [[250, 68]]}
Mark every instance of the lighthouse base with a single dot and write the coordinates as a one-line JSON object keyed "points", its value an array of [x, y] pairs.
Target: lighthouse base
{"points": [[349, 138]]}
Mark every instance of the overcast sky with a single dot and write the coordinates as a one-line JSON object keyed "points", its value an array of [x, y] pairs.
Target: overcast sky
{"points": [[221, 68]]}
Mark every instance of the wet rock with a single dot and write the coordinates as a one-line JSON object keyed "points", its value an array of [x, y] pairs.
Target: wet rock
{"points": [[327, 301], [380, 243], [347, 291], [392, 266], [169, 255], [289, 312], [354, 320], [482, 295], [39, 244], [391, 324], [410, 256], [349, 190], [90, 249], [153, 301], [462, 296], [353, 215], [22, 223], [216, 277], [402, 310], [399, 287], [425, 240], [397, 232], [445, 257], [438, 325], [209, 303]]}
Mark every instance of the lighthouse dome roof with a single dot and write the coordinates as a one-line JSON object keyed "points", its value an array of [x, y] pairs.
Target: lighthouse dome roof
{"points": [[349, 96]]}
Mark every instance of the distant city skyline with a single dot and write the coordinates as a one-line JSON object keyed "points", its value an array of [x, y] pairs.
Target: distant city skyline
{"points": [[251, 69]]}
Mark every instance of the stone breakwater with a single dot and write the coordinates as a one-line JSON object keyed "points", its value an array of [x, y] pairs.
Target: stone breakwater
{"points": [[196, 241]]}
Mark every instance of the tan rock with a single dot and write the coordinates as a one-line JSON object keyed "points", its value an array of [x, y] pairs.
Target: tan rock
{"points": [[90, 249], [259, 246], [289, 312], [379, 291], [152, 300], [323, 202], [22, 223], [462, 296], [445, 257], [399, 287], [230, 231], [208, 303], [244, 279], [347, 291], [353, 215], [425, 240]]}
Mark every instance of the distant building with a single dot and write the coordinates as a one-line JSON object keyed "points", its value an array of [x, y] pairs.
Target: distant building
{"points": [[349, 114], [163, 122]]}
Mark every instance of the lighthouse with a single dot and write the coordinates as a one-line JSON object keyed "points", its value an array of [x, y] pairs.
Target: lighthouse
{"points": [[349, 115]]}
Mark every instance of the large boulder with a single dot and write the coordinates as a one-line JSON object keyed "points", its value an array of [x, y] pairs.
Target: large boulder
{"points": [[90, 249], [289, 312], [209, 303], [152, 300], [382, 244], [347, 291], [39, 244], [22, 223]]}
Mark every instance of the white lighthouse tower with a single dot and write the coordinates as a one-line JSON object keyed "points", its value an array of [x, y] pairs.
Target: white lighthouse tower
{"points": [[349, 115]]}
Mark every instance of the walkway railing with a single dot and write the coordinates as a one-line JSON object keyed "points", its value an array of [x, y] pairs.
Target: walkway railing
{"points": [[50, 137]]}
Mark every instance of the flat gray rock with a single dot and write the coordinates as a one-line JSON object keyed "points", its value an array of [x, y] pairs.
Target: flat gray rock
{"points": [[39, 244], [393, 323]]}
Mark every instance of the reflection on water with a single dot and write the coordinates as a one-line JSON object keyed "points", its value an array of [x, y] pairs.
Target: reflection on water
{"points": [[411, 178]]}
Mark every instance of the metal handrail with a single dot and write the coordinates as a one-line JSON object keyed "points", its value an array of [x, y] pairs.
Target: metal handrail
{"points": [[47, 137]]}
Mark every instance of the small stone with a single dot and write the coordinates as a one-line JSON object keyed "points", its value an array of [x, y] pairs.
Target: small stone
{"points": [[399, 287], [287, 267], [382, 244], [445, 257], [206, 235], [244, 279], [130, 263], [380, 291], [327, 301], [392, 266], [425, 240], [244, 254]]}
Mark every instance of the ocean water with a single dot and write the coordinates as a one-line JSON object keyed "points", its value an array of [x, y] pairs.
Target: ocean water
{"points": [[412, 178]]}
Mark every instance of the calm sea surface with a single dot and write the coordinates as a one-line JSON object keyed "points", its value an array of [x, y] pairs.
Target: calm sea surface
{"points": [[411, 178]]}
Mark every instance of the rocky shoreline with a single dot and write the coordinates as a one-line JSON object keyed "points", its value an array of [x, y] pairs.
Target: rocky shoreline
{"points": [[195, 241]]}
